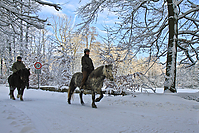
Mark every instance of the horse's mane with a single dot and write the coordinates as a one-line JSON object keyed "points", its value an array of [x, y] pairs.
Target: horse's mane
{"points": [[23, 70], [97, 72]]}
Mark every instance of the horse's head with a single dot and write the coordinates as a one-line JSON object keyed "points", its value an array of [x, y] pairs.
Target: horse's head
{"points": [[24, 75], [108, 72]]}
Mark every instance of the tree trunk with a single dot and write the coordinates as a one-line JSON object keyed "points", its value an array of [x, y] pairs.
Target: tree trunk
{"points": [[21, 34], [170, 79], [1, 75]]}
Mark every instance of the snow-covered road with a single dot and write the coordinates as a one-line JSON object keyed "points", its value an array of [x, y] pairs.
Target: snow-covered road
{"points": [[48, 112]]}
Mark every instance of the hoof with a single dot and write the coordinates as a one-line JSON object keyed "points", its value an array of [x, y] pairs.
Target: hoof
{"points": [[82, 103], [69, 102], [97, 100], [18, 96], [12, 97], [21, 98], [94, 106]]}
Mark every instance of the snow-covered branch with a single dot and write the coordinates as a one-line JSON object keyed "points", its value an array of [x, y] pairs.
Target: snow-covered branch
{"points": [[188, 12], [56, 6], [15, 12]]}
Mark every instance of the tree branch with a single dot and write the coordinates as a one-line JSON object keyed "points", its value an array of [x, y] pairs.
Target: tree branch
{"points": [[56, 6]]}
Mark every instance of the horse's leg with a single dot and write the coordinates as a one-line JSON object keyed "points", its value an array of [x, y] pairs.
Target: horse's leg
{"points": [[93, 100], [21, 93], [100, 97], [12, 93], [81, 99], [70, 92]]}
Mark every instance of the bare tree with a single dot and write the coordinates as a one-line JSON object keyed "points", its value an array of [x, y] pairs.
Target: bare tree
{"points": [[17, 19], [156, 27], [89, 36], [62, 30], [12, 13]]}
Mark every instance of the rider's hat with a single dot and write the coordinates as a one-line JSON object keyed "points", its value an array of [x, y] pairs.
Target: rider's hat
{"points": [[19, 57], [86, 50]]}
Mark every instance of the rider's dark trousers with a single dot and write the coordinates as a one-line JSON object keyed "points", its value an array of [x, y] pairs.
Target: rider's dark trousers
{"points": [[85, 76]]}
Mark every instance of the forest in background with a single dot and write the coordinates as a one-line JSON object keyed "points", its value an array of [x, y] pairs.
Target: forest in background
{"points": [[59, 46]]}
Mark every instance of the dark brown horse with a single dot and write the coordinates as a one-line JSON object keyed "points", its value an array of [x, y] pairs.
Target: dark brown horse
{"points": [[19, 80], [93, 83]]}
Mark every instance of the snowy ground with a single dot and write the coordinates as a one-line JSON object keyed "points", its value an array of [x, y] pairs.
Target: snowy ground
{"points": [[48, 112]]}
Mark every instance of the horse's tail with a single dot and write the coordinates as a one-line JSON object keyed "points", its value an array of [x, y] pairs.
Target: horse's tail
{"points": [[70, 92], [74, 82], [71, 89], [71, 86], [9, 79]]}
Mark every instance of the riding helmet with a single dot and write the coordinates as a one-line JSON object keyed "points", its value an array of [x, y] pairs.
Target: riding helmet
{"points": [[19, 57], [86, 50]]}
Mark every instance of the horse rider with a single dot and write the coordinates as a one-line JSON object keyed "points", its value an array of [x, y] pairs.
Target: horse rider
{"points": [[18, 65], [87, 66]]}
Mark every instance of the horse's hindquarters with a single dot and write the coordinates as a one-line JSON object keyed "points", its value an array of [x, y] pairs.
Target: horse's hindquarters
{"points": [[77, 79]]}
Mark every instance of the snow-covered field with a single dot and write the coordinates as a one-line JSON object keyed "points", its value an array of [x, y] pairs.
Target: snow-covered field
{"points": [[48, 112]]}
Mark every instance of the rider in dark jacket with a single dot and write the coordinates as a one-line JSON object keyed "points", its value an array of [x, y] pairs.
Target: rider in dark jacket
{"points": [[18, 65], [87, 66]]}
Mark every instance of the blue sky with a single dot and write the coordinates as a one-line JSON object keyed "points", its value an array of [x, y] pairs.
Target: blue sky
{"points": [[69, 7]]}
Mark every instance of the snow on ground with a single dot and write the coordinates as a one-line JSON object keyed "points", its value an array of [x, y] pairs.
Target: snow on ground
{"points": [[48, 112]]}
